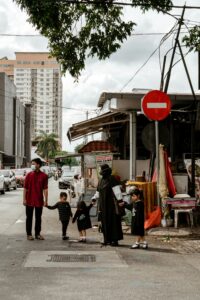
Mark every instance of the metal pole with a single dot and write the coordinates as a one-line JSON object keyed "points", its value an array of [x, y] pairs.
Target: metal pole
{"points": [[186, 70], [157, 161], [192, 155], [157, 137], [86, 137], [192, 119], [132, 133], [162, 74], [199, 70], [174, 51]]}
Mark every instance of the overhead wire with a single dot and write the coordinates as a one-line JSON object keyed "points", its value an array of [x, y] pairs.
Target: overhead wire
{"points": [[136, 34], [81, 109], [41, 36], [178, 53], [120, 3], [165, 37]]}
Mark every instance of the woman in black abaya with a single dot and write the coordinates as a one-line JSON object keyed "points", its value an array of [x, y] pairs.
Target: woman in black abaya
{"points": [[108, 207]]}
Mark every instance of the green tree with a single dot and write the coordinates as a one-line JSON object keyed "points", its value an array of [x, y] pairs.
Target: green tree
{"points": [[80, 29], [193, 39], [47, 145]]}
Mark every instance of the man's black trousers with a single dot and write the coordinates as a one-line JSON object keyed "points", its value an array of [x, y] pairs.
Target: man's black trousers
{"points": [[29, 219]]}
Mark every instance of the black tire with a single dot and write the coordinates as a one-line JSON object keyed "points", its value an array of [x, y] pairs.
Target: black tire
{"points": [[4, 190], [15, 188], [8, 188]]}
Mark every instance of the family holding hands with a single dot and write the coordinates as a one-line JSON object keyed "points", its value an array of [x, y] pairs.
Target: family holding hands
{"points": [[110, 202]]}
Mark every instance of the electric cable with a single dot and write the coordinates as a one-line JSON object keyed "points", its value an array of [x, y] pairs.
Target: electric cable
{"points": [[165, 37]]}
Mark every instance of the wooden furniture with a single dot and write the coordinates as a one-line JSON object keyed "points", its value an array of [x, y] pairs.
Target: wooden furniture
{"points": [[149, 193]]}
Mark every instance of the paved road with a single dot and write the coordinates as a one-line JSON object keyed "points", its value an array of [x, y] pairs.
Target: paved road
{"points": [[56, 269]]}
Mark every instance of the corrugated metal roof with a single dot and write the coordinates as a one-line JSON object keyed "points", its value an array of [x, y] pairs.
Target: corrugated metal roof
{"points": [[95, 125]]}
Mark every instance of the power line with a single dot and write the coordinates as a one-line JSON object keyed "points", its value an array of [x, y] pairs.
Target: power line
{"points": [[111, 3], [50, 104], [140, 68], [165, 37], [41, 36], [21, 35]]}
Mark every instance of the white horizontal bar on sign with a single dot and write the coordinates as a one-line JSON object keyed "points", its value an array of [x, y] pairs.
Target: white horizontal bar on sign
{"points": [[156, 105]]}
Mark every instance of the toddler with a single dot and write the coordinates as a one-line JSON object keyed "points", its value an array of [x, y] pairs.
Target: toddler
{"points": [[64, 210], [137, 222], [83, 219]]}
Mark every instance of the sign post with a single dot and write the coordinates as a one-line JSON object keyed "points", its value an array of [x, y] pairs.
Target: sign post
{"points": [[156, 106]]}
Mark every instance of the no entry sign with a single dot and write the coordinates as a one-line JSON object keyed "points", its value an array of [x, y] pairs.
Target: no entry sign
{"points": [[156, 105]]}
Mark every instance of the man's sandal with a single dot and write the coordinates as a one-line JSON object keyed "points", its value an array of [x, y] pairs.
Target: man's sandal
{"points": [[30, 238], [39, 237]]}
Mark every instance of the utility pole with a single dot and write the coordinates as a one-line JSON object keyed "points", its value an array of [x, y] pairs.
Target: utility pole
{"points": [[198, 70], [193, 106], [86, 137]]}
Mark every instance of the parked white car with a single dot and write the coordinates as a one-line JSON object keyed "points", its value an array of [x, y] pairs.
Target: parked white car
{"points": [[10, 180], [66, 180], [2, 184]]}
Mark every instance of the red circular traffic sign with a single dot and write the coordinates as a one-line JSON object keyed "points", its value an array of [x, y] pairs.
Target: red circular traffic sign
{"points": [[156, 105]]}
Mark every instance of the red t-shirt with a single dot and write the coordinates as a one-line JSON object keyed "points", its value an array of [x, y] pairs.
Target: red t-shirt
{"points": [[35, 184]]}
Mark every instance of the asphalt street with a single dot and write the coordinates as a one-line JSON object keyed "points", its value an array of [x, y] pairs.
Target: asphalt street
{"points": [[57, 269]]}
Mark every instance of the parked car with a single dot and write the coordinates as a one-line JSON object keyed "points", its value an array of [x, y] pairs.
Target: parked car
{"points": [[10, 180], [2, 184], [20, 177], [66, 180]]}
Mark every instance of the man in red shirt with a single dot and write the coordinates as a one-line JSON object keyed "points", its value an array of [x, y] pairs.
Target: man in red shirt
{"points": [[35, 197]]}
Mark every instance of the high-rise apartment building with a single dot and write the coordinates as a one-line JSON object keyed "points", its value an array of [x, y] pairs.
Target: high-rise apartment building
{"points": [[38, 81], [15, 127]]}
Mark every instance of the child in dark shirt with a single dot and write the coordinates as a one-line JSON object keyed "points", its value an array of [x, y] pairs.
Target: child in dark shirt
{"points": [[64, 210], [83, 219], [137, 222]]}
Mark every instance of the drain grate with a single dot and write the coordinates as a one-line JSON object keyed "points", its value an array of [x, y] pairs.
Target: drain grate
{"points": [[71, 258]]}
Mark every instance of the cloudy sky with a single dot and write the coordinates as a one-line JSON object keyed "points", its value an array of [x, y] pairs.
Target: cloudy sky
{"points": [[114, 73]]}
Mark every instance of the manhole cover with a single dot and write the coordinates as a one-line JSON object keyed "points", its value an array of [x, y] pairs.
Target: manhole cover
{"points": [[71, 258], [74, 259]]}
